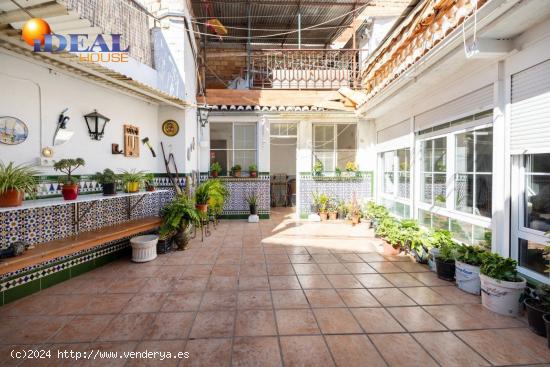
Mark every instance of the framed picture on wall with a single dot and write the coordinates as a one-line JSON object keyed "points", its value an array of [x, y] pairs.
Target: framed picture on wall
{"points": [[12, 130]]}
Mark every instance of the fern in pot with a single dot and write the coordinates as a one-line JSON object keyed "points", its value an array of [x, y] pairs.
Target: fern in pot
{"points": [[202, 195], [108, 180], [179, 219], [15, 181], [501, 286], [132, 180], [468, 261]]}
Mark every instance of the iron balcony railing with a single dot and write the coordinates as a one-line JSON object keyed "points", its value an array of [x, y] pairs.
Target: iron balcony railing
{"points": [[304, 69]]}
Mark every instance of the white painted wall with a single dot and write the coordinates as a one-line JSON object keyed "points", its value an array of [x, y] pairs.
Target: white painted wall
{"points": [[21, 79]]}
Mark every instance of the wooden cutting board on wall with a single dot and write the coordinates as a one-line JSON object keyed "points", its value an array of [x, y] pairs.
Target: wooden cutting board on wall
{"points": [[131, 141]]}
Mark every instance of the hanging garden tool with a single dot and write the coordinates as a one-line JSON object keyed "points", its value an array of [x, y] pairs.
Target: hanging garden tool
{"points": [[148, 143]]}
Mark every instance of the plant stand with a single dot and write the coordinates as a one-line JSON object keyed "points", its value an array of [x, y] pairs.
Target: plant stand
{"points": [[144, 248], [253, 218]]}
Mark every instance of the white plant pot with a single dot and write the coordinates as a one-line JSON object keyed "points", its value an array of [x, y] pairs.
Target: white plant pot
{"points": [[467, 277], [253, 218], [501, 296], [144, 248], [433, 253]]}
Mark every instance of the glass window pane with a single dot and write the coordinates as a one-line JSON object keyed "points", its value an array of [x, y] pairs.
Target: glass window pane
{"points": [[531, 256], [464, 192], [484, 150], [404, 159], [425, 218], [224, 158], [323, 136], [344, 157], [327, 158], [245, 158], [440, 155], [426, 148], [388, 183], [465, 152], [537, 202], [347, 136], [461, 231], [245, 136], [426, 188], [484, 195], [538, 163], [440, 222], [482, 237], [440, 189], [404, 184], [221, 136]]}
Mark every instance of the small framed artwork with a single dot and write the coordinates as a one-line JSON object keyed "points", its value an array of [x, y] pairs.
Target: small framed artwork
{"points": [[170, 128], [12, 130]]}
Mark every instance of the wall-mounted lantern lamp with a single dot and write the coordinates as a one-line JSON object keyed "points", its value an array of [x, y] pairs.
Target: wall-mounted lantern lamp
{"points": [[202, 115], [96, 124]]}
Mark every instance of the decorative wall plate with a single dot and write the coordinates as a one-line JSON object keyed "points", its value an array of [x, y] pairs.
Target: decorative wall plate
{"points": [[12, 130], [170, 128]]}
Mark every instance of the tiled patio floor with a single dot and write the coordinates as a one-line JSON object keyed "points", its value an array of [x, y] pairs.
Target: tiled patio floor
{"points": [[310, 294]]}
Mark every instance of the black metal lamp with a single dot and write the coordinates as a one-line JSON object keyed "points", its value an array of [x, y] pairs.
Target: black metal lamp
{"points": [[202, 115], [96, 124]]}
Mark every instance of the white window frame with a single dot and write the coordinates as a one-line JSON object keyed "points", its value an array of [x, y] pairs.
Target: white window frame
{"points": [[335, 150], [381, 181], [232, 150]]}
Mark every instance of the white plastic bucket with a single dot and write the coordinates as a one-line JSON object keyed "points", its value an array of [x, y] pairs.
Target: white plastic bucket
{"points": [[433, 253], [467, 277], [144, 248], [501, 296]]}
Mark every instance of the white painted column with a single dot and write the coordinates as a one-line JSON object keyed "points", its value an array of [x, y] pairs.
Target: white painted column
{"points": [[263, 136], [303, 156], [366, 145]]}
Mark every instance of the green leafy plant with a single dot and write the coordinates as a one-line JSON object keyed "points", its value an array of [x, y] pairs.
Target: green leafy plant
{"points": [[106, 177], [342, 209], [252, 198], [202, 193], [471, 255], [149, 180], [129, 176], [236, 168], [499, 268], [179, 217], [338, 172], [215, 167], [374, 211], [318, 168], [448, 252], [440, 237], [323, 202], [252, 168], [18, 177], [543, 296], [218, 194], [68, 166]]}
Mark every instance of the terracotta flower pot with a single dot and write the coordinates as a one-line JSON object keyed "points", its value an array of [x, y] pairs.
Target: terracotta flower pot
{"points": [[332, 215], [236, 173], [253, 174], [355, 220], [203, 208], [390, 250], [69, 191], [214, 174], [323, 215], [11, 198]]}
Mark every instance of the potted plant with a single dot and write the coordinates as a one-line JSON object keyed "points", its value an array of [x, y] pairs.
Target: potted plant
{"points": [[15, 181], [332, 210], [202, 195], [253, 171], [468, 261], [445, 261], [354, 212], [108, 180], [323, 206], [69, 188], [179, 217], [318, 168], [252, 200], [337, 172], [165, 243], [537, 307], [215, 169], [149, 180], [501, 287], [437, 238], [132, 180], [218, 195], [342, 209], [351, 168], [236, 170]]}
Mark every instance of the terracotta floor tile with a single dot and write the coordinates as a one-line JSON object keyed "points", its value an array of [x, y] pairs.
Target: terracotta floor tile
{"points": [[83, 328], [354, 351], [376, 320], [280, 269], [305, 351], [325, 259], [371, 257], [292, 322], [253, 270], [448, 350], [255, 323], [323, 298], [289, 299], [208, 353], [402, 350], [277, 258], [507, 346], [373, 281], [179, 302], [145, 302], [219, 283], [336, 321], [125, 285], [254, 299], [344, 281], [106, 304], [307, 269], [429, 279], [455, 318], [457, 296], [358, 298], [164, 346], [32, 329], [412, 267], [385, 267], [253, 283], [360, 268], [491, 319], [171, 325], [256, 351], [334, 269], [189, 284], [349, 258], [197, 270], [403, 280], [402, 257], [105, 347], [424, 296], [415, 319], [225, 270], [213, 324], [223, 300], [284, 282], [314, 281], [127, 327], [391, 297], [53, 350], [157, 285]]}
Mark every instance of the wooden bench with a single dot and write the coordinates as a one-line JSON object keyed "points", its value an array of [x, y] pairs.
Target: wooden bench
{"points": [[82, 241]]}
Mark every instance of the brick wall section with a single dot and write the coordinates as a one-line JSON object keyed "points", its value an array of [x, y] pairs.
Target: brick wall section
{"points": [[227, 64]]}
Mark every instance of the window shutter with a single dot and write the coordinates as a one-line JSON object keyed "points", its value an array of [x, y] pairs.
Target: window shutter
{"points": [[471, 103], [530, 111], [394, 137]]}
